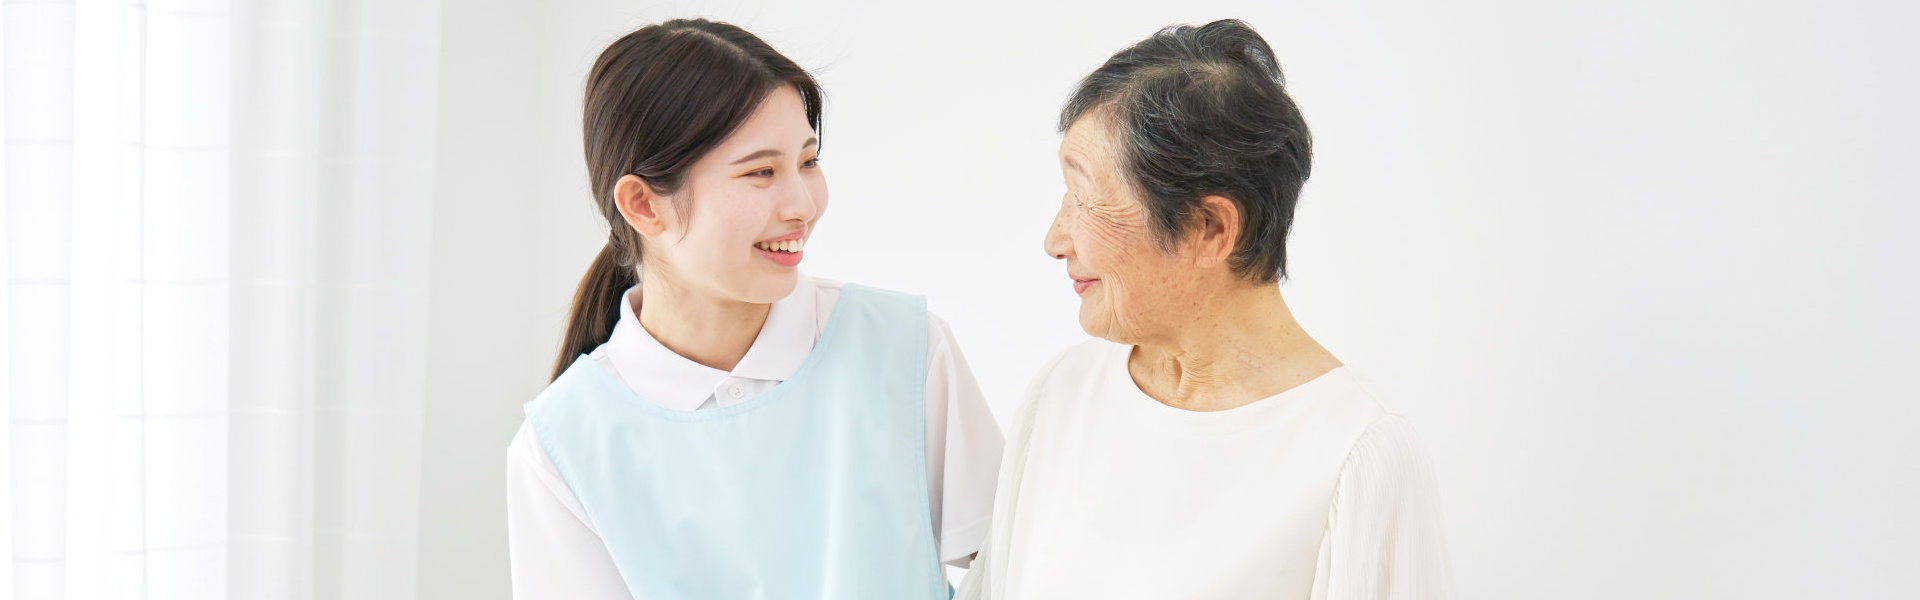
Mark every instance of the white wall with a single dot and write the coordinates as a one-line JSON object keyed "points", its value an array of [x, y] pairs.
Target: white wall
{"points": [[487, 328], [1634, 269]]}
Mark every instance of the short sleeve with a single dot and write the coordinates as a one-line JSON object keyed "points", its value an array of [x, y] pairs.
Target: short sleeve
{"points": [[963, 449], [552, 550]]}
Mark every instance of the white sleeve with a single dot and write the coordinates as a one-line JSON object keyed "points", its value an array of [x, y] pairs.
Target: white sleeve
{"points": [[1384, 537], [552, 550], [982, 581], [963, 449]]}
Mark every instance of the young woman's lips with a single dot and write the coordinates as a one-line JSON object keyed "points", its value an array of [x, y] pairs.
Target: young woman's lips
{"points": [[784, 259], [1080, 285]]}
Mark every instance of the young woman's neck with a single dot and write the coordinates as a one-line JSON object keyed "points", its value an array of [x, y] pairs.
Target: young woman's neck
{"points": [[704, 329]]}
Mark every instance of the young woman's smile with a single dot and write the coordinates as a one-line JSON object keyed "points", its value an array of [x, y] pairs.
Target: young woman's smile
{"points": [[784, 250]]}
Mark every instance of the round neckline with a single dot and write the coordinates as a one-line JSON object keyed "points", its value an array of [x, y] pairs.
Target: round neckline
{"points": [[1231, 420]]}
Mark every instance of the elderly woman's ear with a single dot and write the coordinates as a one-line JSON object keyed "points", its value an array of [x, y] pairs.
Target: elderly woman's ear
{"points": [[1218, 231]]}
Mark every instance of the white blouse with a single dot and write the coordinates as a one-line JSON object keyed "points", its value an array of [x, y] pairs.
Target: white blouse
{"points": [[553, 549], [1317, 492]]}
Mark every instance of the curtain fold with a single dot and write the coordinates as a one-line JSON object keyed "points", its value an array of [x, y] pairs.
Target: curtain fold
{"points": [[217, 255]]}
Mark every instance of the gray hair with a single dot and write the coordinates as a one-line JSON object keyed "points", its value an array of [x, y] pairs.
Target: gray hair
{"points": [[1203, 111]]}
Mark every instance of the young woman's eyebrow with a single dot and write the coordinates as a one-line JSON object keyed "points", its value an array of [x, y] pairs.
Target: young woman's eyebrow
{"points": [[772, 152], [757, 156]]}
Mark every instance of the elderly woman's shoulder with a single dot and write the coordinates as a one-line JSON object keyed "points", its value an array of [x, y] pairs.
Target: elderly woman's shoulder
{"points": [[1080, 360], [1091, 353], [1077, 362], [1073, 368], [1345, 391]]}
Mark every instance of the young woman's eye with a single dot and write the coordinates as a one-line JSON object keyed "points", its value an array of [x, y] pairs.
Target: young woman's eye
{"points": [[811, 163], [767, 172]]}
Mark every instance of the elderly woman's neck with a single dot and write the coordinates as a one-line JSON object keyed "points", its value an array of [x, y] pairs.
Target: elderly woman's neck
{"points": [[1240, 347]]}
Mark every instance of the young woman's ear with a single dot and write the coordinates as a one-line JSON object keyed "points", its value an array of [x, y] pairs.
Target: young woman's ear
{"points": [[639, 205]]}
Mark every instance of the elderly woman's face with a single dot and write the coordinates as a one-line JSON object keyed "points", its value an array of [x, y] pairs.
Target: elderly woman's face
{"points": [[1130, 288]]}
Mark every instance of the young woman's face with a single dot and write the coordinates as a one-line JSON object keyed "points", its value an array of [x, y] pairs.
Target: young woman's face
{"points": [[750, 204]]}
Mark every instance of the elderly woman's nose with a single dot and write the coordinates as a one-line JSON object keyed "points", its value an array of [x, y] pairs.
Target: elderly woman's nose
{"points": [[1057, 243]]}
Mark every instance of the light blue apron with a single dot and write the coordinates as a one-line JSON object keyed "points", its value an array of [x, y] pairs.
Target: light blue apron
{"points": [[815, 489]]}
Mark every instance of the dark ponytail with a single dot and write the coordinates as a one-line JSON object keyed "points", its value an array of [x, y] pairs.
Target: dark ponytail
{"points": [[596, 305], [657, 100]]}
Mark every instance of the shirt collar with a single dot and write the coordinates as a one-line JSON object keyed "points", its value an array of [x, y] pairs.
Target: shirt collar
{"points": [[662, 377], [786, 339]]}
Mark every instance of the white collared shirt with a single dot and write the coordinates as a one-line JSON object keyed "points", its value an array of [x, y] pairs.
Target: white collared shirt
{"points": [[554, 551]]}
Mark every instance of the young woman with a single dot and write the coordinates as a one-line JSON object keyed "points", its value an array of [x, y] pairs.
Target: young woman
{"points": [[719, 424]]}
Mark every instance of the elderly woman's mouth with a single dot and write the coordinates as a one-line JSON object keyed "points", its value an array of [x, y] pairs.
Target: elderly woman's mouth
{"points": [[1080, 285]]}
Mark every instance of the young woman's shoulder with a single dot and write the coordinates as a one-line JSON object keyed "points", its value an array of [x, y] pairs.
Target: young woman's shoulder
{"points": [[822, 285], [830, 289], [828, 293]]}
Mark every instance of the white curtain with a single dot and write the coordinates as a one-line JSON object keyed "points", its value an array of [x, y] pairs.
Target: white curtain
{"points": [[216, 219]]}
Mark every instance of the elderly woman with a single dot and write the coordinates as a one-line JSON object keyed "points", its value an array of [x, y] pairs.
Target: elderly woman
{"points": [[1202, 446]]}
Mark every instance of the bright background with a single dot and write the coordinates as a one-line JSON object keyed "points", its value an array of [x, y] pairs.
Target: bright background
{"points": [[1639, 272]]}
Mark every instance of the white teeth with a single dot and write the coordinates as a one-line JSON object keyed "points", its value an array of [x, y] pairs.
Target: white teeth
{"points": [[781, 246]]}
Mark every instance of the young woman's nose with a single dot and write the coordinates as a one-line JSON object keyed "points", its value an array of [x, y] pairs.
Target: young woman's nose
{"points": [[799, 200]]}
